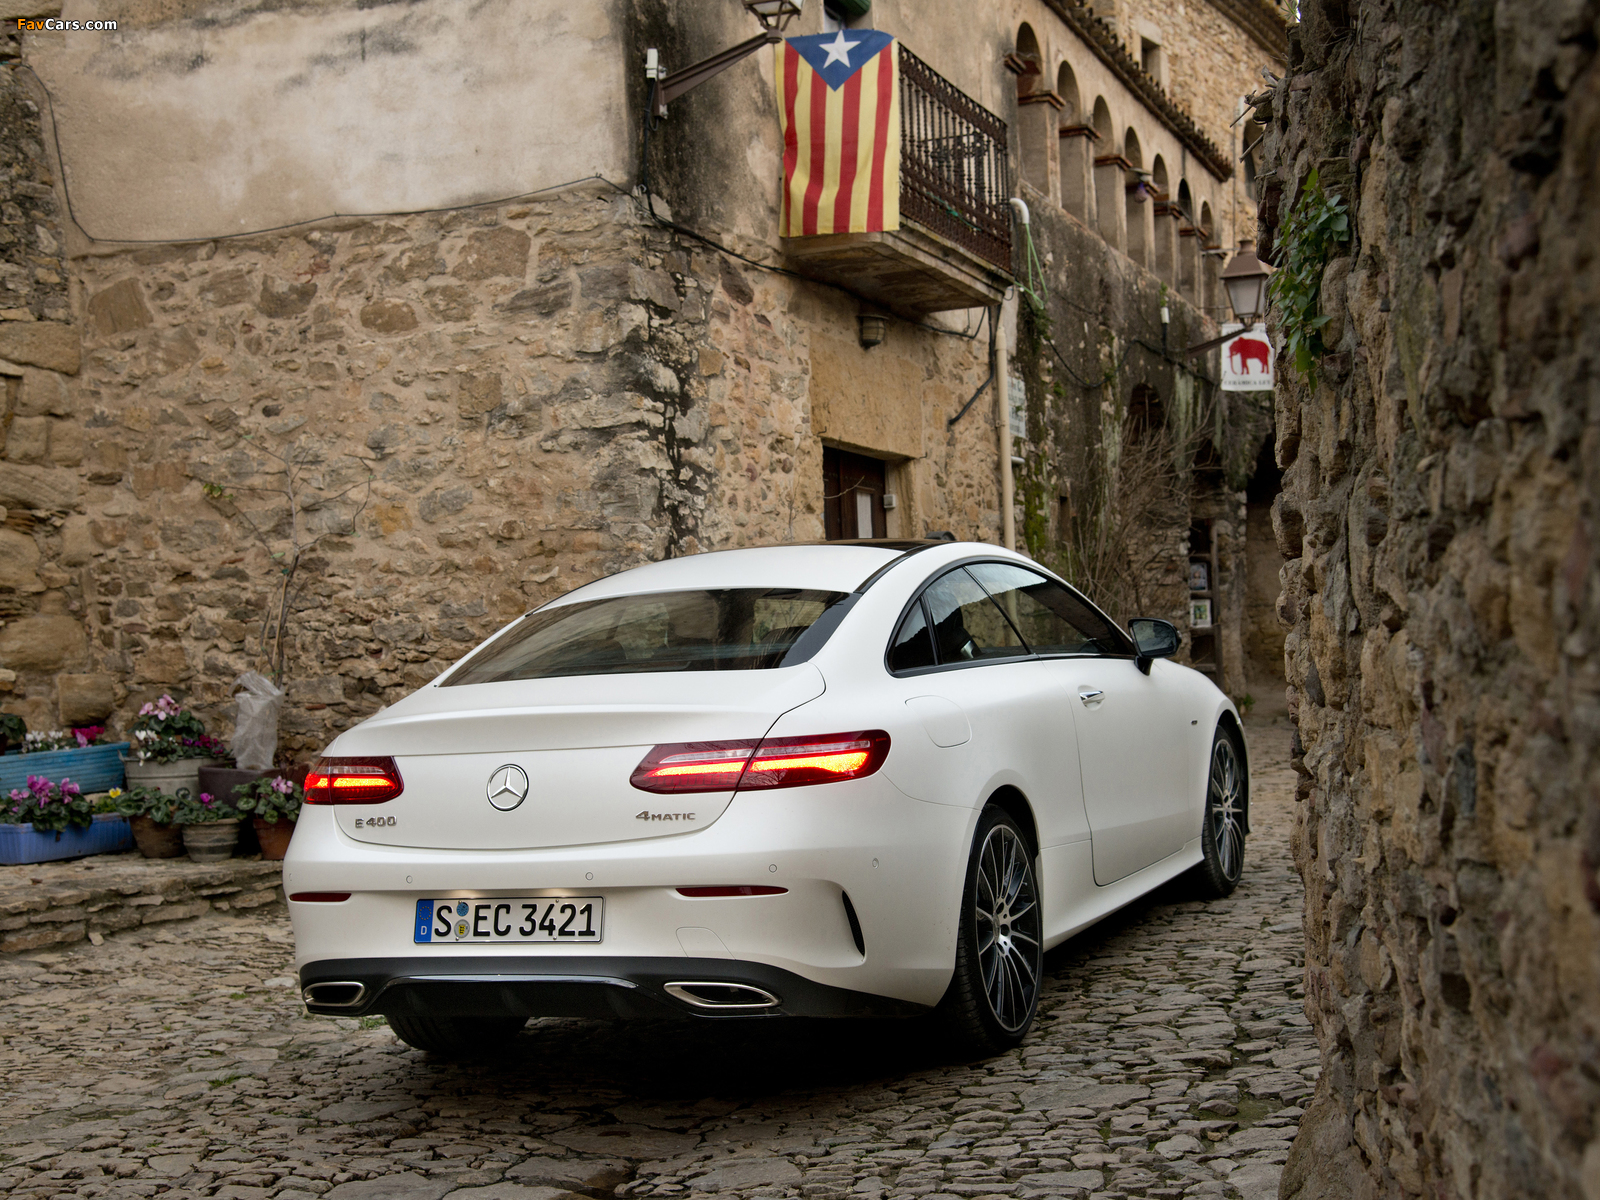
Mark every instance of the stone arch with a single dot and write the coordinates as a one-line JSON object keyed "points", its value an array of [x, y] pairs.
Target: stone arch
{"points": [[1188, 245], [1165, 222], [1110, 213], [1211, 264], [1036, 106], [1136, 201], [1076, 147]]}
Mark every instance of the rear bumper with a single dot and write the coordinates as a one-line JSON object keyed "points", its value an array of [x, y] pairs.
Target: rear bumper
{"points": [[588, 987]]}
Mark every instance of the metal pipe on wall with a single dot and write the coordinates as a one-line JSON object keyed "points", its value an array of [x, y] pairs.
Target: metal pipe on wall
{"points": [[1002, 404]]}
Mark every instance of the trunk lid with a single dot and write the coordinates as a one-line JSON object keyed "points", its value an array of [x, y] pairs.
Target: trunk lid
{"points": [[575, 741]]}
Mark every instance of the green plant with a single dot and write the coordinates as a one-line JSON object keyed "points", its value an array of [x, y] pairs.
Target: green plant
{"points": [[270, 799], [165, 731], [144, 802], [197, 810], [48, 807], [1245, 703], [1318, 223]]}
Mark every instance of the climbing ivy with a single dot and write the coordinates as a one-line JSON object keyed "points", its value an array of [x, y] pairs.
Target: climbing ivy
{"points": [[1318, 223]]}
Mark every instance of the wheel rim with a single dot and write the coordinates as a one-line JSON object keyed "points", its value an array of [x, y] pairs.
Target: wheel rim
{"points": [[1006, 911], [1225, 799]]}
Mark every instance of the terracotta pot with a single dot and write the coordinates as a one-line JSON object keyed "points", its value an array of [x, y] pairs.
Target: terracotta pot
{"points": [[211, 841], [157, 841], [274, 836]]}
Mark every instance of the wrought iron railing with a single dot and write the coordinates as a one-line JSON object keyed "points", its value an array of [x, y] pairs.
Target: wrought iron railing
{"points": [[955, 171]]}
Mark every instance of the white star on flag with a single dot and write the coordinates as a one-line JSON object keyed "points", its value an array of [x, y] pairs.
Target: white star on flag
{"points": [[838, 50]]}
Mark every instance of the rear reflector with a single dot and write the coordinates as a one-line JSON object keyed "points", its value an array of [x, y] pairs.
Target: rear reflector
{"points": [[353, 781], [732, 891], [773, 763], [320, 897]]}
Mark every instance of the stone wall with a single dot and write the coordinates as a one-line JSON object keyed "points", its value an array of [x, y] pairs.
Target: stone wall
{"points": [[481, 410], [1442, 598]]}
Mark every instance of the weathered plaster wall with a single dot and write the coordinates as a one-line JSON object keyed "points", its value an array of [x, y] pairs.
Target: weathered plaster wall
{"points": [[1442, 593], [205, 119]]}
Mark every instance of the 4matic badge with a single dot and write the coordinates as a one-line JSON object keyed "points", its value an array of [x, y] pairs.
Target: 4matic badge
{"points": [[647, 815]]}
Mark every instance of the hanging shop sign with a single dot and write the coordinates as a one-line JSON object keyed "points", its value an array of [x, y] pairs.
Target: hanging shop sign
{"points": [[1247, 360]]}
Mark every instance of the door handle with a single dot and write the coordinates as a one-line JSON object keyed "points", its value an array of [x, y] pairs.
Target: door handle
{"points": [[1090, 695]]}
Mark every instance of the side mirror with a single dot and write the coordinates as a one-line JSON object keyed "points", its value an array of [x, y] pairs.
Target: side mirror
{"points": [[1153, 639]]}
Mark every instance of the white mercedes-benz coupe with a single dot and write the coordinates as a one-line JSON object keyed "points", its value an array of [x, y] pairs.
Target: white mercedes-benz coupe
{"points": [[871, 778]]}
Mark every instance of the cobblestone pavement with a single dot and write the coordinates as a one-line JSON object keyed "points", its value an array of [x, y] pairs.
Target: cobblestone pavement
{"points": [[1170, 1059]]}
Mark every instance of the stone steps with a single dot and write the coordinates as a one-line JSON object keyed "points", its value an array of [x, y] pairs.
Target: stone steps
{"points": [[52, 904]]}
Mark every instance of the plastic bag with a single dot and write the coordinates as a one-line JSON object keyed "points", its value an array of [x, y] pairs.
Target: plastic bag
{"points": [[255, 731]]}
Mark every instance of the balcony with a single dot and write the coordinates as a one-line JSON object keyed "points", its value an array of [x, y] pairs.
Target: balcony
{"points": [[953, 247]]}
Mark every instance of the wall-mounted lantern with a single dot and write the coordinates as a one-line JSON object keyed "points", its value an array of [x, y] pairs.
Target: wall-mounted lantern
{"points": [[1245, 279], [874, 327], [774, 15]]}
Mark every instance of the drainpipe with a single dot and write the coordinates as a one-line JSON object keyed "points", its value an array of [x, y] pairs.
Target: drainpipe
{"points": [[1002, 393]]}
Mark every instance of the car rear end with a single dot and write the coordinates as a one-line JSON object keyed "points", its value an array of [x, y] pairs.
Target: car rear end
{"points": [[605, 841]]}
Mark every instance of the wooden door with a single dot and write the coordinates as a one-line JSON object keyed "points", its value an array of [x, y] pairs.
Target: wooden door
{"points": [[852, 489]]}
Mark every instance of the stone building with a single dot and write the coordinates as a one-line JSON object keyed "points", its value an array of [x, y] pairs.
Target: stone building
{"points": [[543, 347], [1441, 490]]}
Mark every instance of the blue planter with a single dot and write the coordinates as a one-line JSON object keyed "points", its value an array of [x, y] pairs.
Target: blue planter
{"points": [[106, 835], [93, 768]]}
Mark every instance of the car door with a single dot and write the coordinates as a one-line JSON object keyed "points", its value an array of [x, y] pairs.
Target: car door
{"points": [[994, 715], [1132, 751]]}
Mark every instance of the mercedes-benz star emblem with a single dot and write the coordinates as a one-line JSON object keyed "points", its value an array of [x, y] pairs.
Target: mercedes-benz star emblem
{"points": [[508, 787]]}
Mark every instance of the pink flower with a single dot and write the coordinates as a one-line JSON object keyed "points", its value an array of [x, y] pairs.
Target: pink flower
{"points": [[282, 786]]}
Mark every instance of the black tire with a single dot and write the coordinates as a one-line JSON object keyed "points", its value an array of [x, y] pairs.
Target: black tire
{"points": [[994, 994], [455, 1037], [1222, 834]]}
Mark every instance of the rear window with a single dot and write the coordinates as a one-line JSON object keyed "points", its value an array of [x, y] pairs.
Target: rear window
{"points": [[731, 629]]}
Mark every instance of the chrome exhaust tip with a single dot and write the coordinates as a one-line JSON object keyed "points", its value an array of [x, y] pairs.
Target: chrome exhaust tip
{"points": [[335, 995], [724, 997]]}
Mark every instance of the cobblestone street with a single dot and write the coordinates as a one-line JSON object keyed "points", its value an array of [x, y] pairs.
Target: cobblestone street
{"points": [[1170, 1059]]}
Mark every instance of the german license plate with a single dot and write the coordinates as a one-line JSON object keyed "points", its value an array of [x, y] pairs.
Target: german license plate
{"points": [[570, 919]]}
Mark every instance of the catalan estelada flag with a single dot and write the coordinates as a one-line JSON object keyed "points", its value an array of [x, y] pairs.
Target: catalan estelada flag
{"points": [[839, 102]]}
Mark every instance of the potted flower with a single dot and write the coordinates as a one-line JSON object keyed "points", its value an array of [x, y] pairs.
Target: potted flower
{"points": [[49, 820], [273, 806], [150, 813], [82, 755], [210, 826], [170, 745]]}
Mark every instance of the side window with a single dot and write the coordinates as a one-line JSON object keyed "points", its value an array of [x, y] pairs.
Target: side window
{"points": [[1051, 618], [913, 644], [966, 624]]}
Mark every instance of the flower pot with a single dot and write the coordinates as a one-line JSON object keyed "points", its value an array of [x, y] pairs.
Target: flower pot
{"points": [[23, 844], [157, 841], [211, 841], [169, 777], [274, 837], [92, 768]]}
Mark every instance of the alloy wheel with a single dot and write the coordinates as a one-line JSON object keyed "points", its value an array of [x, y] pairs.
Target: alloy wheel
{"points": [[1006, 911], [1226, 809]]}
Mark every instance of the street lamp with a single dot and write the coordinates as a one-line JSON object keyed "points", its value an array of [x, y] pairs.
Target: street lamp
{"points": [[773, 14], [1245, 279], [665, 88]]}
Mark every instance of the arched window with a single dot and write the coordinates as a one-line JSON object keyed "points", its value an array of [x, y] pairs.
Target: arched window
{"points": [[1076, 147], [1110, 212], [1164, 214], [1136, 199], [1188, 245], [1211, 297], [1249, 151], [1146, 413], [1036, 108]]}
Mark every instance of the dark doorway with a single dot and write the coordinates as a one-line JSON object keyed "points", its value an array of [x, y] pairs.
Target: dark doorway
{"points": [[852, 489]]}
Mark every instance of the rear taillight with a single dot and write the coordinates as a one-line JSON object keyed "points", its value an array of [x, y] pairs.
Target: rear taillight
{"points": [[774, 763], [353, 781]]}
